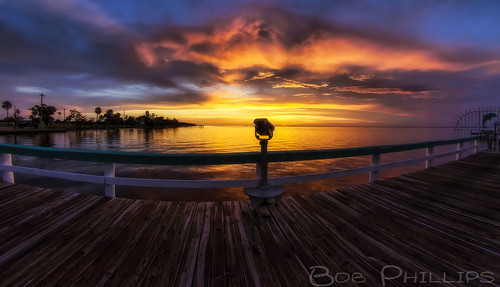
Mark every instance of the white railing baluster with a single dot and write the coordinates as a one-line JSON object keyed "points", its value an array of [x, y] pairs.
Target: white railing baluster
{"points": [[430, 154], [374, 163], [109, 172], [460, 146], [6, 159]]}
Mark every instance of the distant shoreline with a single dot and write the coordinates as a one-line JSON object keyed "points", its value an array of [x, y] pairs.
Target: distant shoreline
{"points": [[11, 130]]}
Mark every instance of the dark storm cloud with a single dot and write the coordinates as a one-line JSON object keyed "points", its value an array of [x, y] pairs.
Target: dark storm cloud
{"points": [[184, 96], [203, 48], [51, 43], [82, 48]]}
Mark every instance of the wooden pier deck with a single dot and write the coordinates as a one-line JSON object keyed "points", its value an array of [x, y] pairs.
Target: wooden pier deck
{"points": [[439, 226]]}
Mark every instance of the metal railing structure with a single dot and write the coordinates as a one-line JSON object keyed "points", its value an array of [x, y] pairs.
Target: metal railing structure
{"points": [[476, 121], [110, 158]]}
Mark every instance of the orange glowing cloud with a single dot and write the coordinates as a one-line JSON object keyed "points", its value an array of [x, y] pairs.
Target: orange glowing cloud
{"points": [[244, 43], [379, 91], [265, 69], [297, 84]]}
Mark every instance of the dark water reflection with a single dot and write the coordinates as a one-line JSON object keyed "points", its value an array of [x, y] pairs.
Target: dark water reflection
{"points": [[217, 140]]}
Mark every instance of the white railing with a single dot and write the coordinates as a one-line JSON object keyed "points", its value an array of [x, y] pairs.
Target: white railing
{"points": [[109, 179]]}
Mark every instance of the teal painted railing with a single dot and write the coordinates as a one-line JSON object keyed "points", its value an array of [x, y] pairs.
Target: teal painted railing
{"points": [[214, 158], [111, 158]]}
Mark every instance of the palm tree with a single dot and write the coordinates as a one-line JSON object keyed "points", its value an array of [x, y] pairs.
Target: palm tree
{"points": [[17, 113], [97, 111], [6, 105], [17, 117]]}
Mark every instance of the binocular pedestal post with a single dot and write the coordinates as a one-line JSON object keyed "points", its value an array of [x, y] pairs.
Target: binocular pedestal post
{"points": [[263, 191]]}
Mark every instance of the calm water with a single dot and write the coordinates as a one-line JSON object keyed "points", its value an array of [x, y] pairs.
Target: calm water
{"points": [[218, 139]]}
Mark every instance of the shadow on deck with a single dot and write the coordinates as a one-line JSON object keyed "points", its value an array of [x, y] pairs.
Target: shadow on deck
{"points": [[426, 228]]}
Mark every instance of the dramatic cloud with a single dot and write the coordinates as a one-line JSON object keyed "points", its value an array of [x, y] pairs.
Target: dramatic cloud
{"points": [[320, 63]]}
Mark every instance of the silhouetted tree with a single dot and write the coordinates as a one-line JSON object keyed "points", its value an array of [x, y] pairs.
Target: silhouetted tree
{"points": [[46, 116], [77, 117], [117, 119], [17, 117], [112, 118], [148, 119], [130, 120], [97, 111], [108, 116], [6, 105], [151, 120]]}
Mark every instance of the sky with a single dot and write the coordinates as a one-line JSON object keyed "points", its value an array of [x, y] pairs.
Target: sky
{"points": [[226, 62]]}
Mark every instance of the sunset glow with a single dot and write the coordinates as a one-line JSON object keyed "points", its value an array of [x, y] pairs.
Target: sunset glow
{"points": [[387, 64]]}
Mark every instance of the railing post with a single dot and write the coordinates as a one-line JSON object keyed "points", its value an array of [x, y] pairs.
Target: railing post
{"points": [[109, 171], [258, 170], [430, 153], [6, 159], [476, 146], [374, 163], [496, 144], [460, 146], [263, 164]]}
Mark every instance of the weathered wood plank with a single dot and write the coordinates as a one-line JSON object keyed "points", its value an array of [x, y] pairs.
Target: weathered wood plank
{"points": [[317, 240], [256, 248], [218, 248], [5, 185], [234, 266], [38, 228], [345, 246], [422, 216], [442, 220], [288, 257], [465, 209], [203, 259], [108, 261], [278, 264], [410, 238], [154, 251], [448, 192], [247, 261], [59, 248], [291, 237], [140, 258], [80, 260], [171, 271], [33, 208], [187, 264], [12, 192], [163, 270], [19, 193]]}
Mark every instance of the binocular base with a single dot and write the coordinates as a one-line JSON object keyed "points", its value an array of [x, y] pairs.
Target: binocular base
{"points": [[260, 195]]}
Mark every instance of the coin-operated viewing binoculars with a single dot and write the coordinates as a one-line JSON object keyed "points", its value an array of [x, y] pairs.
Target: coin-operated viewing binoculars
{"points": [[263, 132], [263, 129]]}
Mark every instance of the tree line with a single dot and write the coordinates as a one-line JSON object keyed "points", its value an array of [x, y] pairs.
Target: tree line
{"points": [[45, 116]]}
